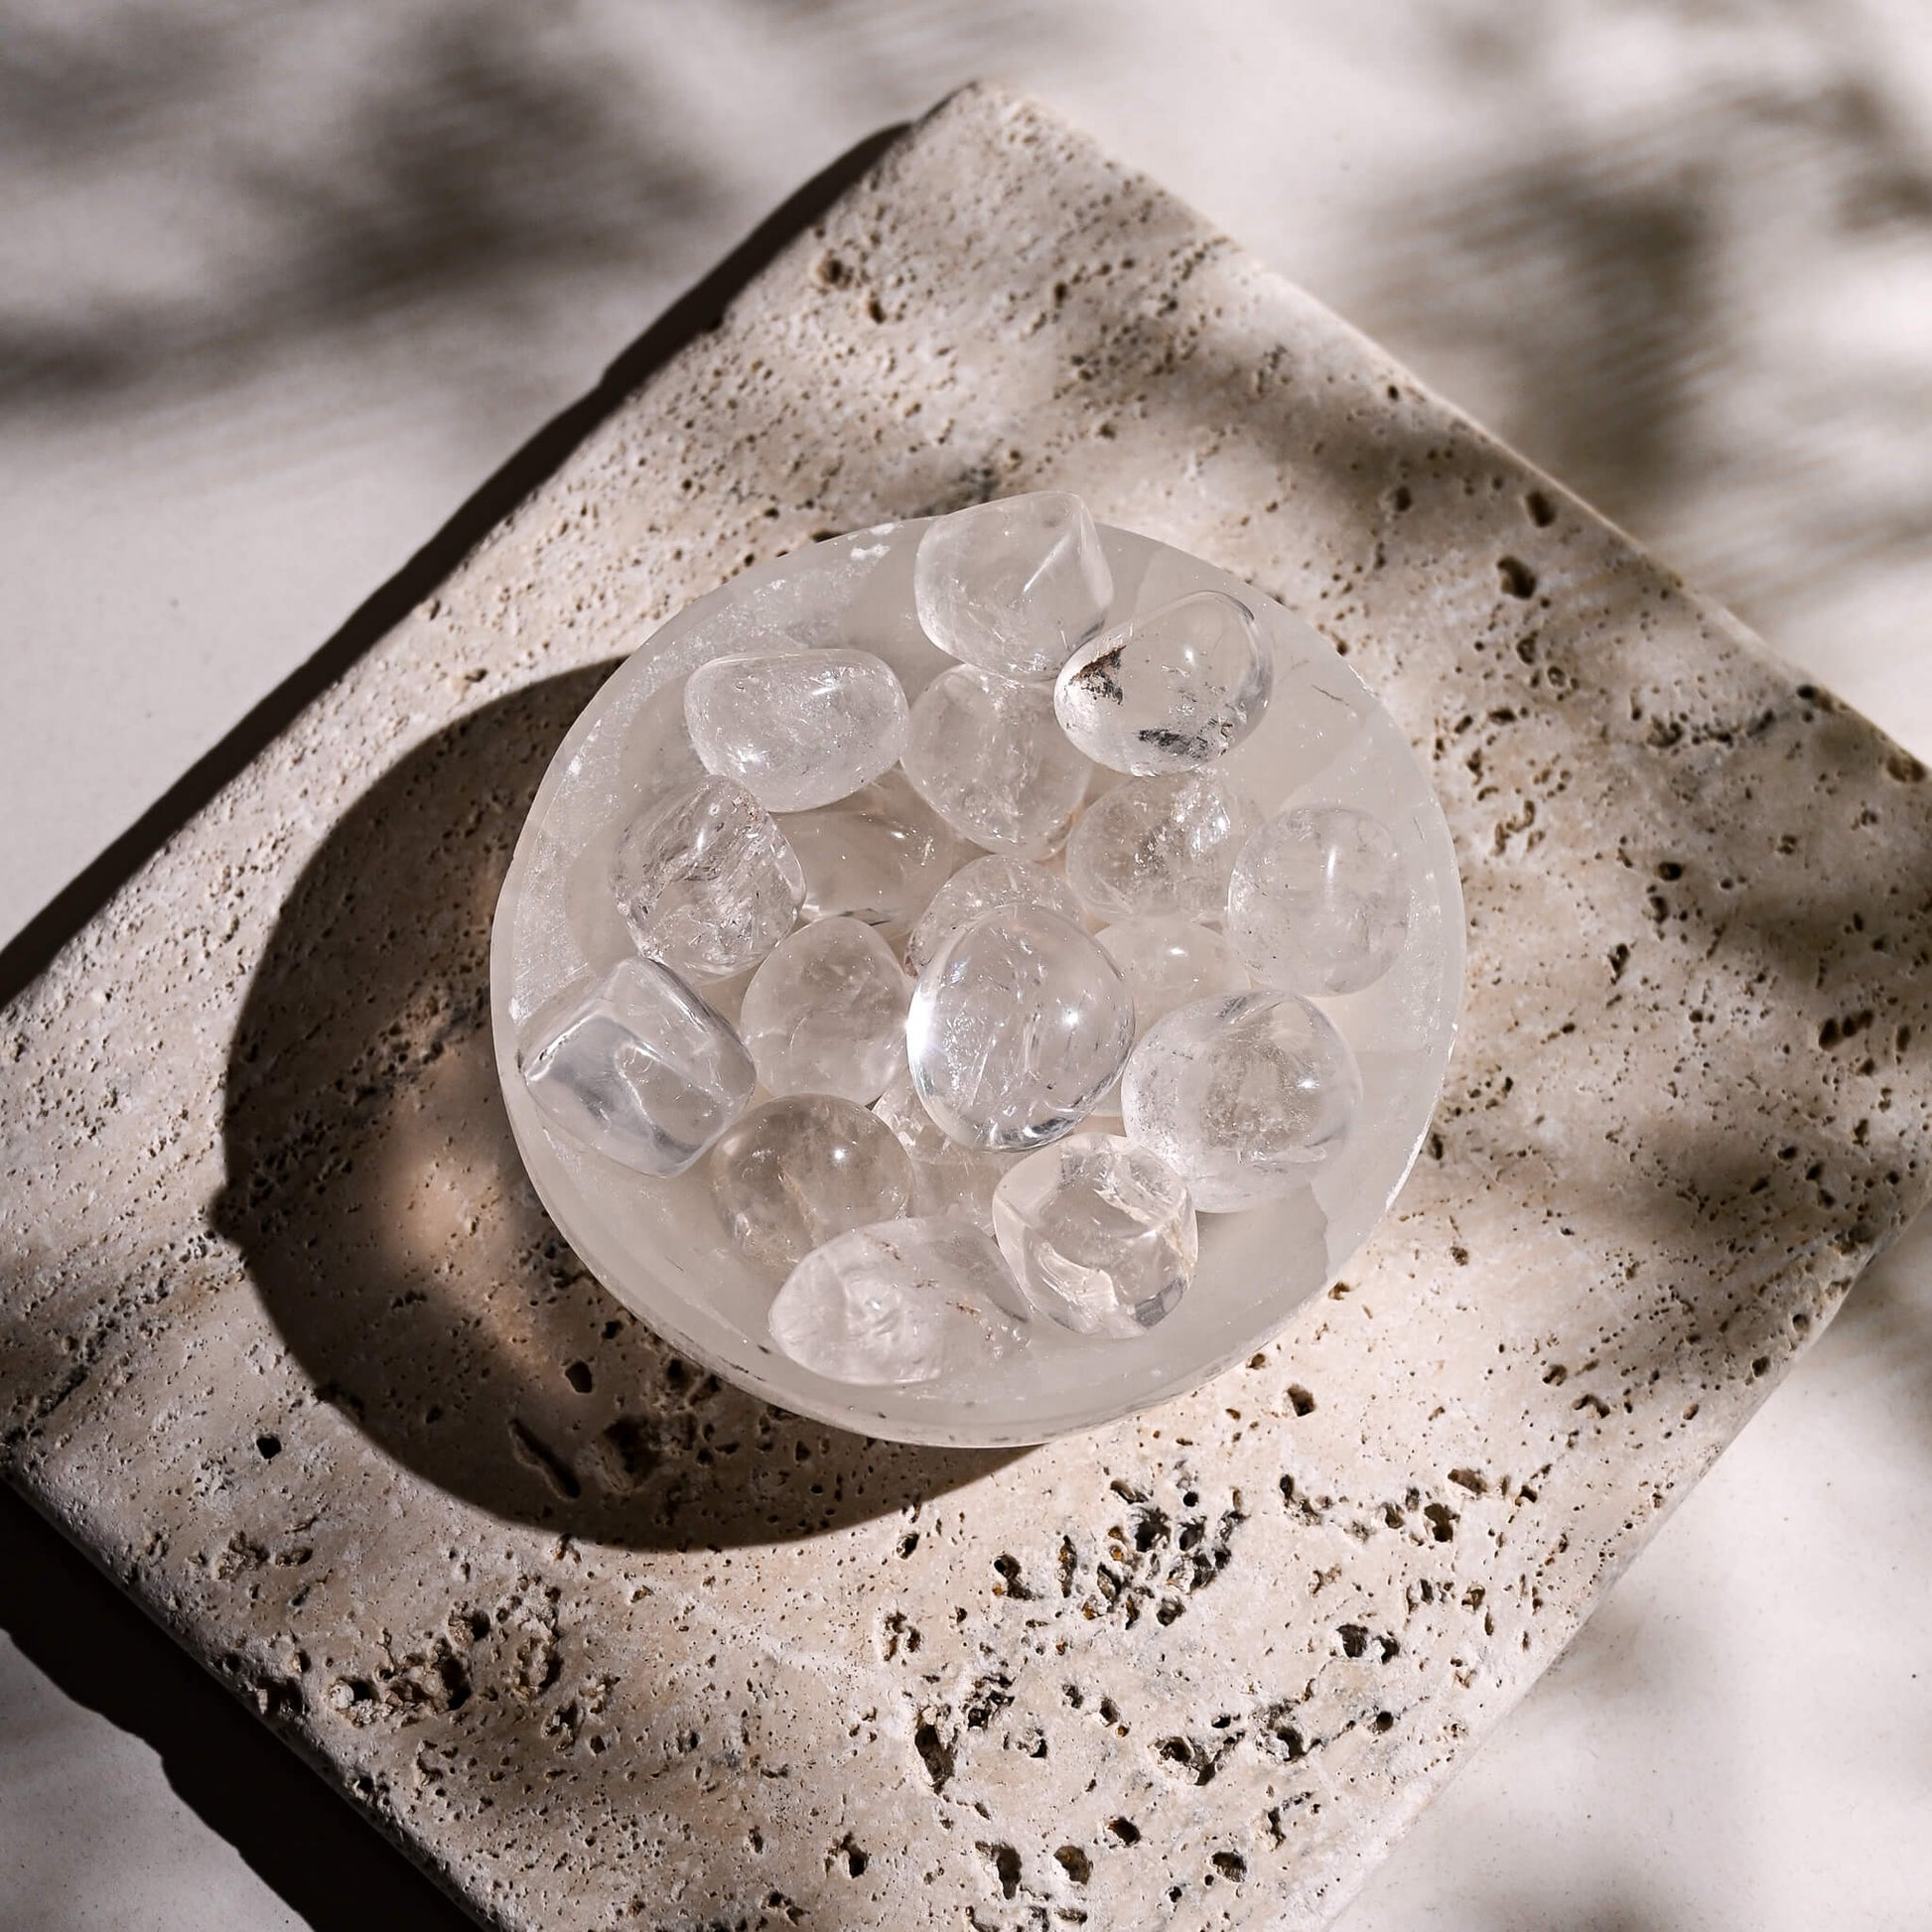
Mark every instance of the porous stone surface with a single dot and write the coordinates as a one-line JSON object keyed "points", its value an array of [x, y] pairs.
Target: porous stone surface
{"points": [[286, 1343]]}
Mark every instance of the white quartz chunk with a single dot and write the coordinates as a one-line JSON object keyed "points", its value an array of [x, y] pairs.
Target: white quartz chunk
{"points": [[988, 755], [638, 1066], [1318, 902], [947, 1179], [1016, 1029], [1159, 846], [800, 1170], [706, 880], [977, 889], [1171, 962], [796, 728], [826, 1012], [1176, 688], [900, 1302], [1014, 586], [1099, 1233], [1243, 1097], [879, 855]]}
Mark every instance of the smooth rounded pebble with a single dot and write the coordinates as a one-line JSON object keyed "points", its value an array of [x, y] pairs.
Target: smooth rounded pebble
{"points": [[978, 888], [799, 1169], [1176, 688], [1159, 846], [879, 855], [947, 1178], [796, 728], [826, 1012], [1171, 962], [1243, 1097]]}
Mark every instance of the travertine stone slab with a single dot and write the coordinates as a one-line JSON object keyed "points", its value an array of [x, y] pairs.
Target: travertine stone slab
{"points": [[286, 1342]]}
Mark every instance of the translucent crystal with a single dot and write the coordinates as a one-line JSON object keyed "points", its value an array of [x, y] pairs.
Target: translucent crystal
{"points": [[796, 728], [879, 855], [1099, 1233], [1014, 586], [826, 1012], [1171, 962], [1016, 1029], [1318, 902], [987, 755], [1243, 1097], [1179, 687], [977, 889], [899, 1301], [1160, 845], [947, 1179], [638, 1066], [706, 882], [798, 1171]]}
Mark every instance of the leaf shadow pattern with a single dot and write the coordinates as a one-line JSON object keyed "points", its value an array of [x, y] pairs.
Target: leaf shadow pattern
{"points": [[378, 1199]]}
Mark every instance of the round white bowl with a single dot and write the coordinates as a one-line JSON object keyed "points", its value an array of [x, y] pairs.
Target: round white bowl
{"points": [[660, 1247]]}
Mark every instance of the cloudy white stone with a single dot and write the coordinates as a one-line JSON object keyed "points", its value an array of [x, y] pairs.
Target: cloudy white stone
{"points": [[978, 888], [798, 1170], [1176, 688], [826, 1012], [989, 756], [1319, 901], [1159, 846], [1099, 1233], [706, 880], [636, 1065], [1014, 586], [900, 1301], [1171, 962], [1016, 1029], [1243, 1097], [879, 855], [796, 728]]}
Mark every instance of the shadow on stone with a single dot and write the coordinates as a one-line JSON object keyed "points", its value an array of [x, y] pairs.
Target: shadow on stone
{"points": [[377, 1194]]}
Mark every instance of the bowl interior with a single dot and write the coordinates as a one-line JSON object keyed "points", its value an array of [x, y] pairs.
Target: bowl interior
{"points": [[659, 1246]]}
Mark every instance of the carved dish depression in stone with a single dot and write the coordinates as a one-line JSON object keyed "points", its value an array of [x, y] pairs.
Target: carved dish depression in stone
{"points": [[660, 1246]]}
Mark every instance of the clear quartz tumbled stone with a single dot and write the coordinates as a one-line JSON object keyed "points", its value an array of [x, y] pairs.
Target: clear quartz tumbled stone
{"points": [[1168, 963], [1099, 1233], [800, 1170], [706, 882], [1176, 688], [1014, 586], [636, 1065], [1016, 1029], [1243, 1097], [796, 728], [978, 888], [826, 1012], [1318, 902], [988, 755], [1161, 844], [879, 855], [947, 1179], [900, 1302]]}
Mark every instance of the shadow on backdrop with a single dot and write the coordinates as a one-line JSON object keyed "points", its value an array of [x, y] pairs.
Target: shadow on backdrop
{"points": [[378, 1197]]}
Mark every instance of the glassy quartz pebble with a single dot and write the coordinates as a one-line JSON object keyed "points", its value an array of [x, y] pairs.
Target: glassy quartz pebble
{"points": [[800, 1170], [1243, 1097], [1162, 845], [796, 728], [900, 1302], [879, 855], [1016, 1029], [706, 882], [1099, 1233], [826, 1012], [1014, 586], [978, 888], [638, 1066], [1176, 688], [1171, 962], [1318, 902], [947, 1179], [987, 755]]}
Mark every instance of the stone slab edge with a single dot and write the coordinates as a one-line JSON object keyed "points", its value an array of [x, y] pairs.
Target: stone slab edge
{"points": [[1198, 1670]]}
